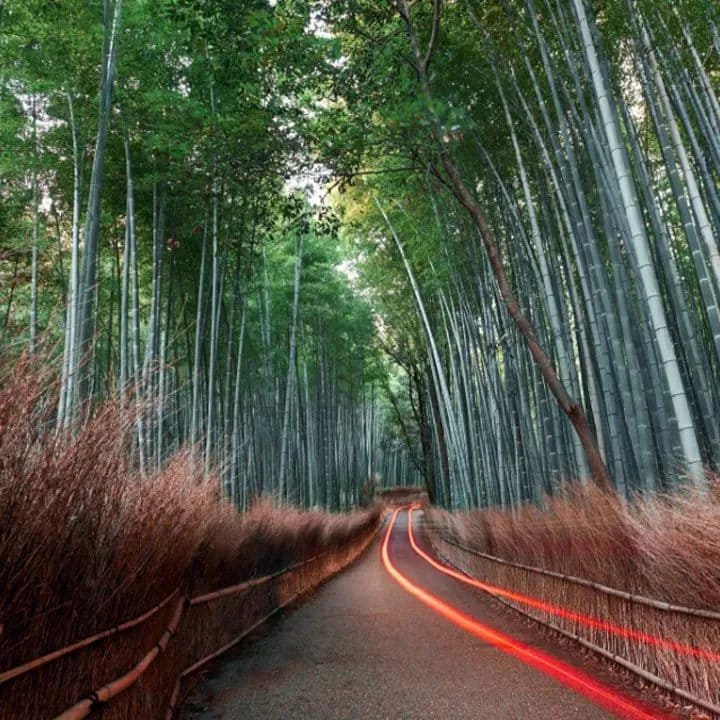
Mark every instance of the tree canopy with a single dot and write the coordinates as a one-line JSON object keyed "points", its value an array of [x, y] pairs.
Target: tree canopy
{"points": [[473, 243]]}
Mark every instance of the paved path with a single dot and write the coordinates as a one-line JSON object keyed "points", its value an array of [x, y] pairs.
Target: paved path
{"points": [[364, 647]]}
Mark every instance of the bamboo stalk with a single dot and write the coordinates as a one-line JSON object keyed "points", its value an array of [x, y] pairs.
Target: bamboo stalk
{"points": [[244, 586]]}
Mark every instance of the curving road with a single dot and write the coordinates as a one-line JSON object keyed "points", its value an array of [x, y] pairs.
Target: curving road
{"points": [[393, 637]]}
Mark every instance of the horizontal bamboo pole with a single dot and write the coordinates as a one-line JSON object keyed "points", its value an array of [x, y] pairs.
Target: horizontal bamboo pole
{"points": [[231, 590], [627, 664], [208, 658], [86, 706], [106, 693], [83, 708], [639, 599], [61, 652], [248, 584]]}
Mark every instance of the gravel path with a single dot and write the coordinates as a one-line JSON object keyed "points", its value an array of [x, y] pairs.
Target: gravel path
{"points": [[361, 647]]}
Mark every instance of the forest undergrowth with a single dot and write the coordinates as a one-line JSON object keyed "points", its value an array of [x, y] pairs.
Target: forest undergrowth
{"points": [[664, 547], [87, 543]]}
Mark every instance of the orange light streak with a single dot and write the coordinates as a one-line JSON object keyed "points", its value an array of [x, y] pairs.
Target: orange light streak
{"points": [[570, 677], [558, 611]]}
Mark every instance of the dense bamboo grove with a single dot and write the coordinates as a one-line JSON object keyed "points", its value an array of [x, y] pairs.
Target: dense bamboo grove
{"points": [[474, 242], [559, 240], [150, 235]]}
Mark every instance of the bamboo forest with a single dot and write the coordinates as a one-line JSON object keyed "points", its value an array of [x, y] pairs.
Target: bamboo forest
{"points": [[552, 187], [270, 269]]}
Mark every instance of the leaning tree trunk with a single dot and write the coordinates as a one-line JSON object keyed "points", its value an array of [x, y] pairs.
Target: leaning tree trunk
{"points": [[568, 405]]}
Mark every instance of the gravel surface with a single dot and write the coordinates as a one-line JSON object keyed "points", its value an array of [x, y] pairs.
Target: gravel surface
{"points": [[361, 647]]}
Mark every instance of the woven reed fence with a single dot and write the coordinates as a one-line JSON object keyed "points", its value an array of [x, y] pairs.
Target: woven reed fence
{"points": [[139, 670], [674, 647]]}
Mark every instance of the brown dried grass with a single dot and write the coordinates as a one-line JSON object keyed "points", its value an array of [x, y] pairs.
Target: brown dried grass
{"points": [[401, 495], [663, 547], [86, 543]]}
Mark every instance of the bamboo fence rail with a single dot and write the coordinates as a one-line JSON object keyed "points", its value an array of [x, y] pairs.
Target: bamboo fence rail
{"points": [[210, 597], [244, 587], [61, 652], [633, 667], [85, 707], [632, 597], [106, 693]]}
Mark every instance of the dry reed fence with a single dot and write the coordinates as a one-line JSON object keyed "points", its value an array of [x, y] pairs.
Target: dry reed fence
{"points": [[86, 544], [638, 583], [149, 664]]}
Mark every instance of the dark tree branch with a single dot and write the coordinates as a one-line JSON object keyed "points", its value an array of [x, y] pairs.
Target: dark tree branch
{"points": [[432, 44]]}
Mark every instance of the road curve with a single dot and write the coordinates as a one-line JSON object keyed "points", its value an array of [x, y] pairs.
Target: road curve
{"points": [[392, 637]]}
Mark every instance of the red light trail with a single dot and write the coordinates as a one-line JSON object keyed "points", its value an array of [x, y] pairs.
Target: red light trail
{"points": [[558, 611], [570, 677]]}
